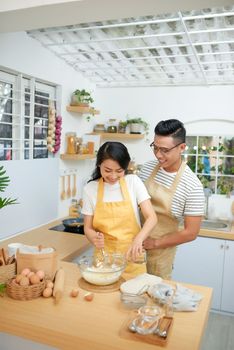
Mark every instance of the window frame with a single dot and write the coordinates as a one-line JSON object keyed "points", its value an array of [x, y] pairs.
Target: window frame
{"points": [[23, 146]]}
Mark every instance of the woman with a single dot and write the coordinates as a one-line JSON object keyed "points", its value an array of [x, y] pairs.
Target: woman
{"points": [[110, 207]]}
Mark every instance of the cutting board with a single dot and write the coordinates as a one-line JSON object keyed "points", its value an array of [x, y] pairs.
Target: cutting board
{"points": [[148, 338], [100, 289]]}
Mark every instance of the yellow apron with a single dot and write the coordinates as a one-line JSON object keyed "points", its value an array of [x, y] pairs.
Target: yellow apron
{"points": [[160, 261], [118, 223]]}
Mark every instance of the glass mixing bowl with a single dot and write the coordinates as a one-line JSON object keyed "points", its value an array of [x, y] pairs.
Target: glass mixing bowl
{"points": [[104, 272]]}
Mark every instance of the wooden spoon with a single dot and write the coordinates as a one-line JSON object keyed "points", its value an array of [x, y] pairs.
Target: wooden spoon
{"points": [[69, 186], [63, 193], [74, 186]]}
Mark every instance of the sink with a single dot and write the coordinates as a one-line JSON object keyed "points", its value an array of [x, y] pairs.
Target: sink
{"points": [[215, 225]]}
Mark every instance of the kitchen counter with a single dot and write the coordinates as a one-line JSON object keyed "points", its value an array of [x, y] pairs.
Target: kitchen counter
{"points": [[68, 245], [75, 323], [218, 234]]}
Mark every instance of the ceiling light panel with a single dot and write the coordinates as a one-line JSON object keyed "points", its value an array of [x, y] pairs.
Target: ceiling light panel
{"points": [[189, 48]]}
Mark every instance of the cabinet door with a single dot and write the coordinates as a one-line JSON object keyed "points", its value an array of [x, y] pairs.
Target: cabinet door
{"points": [[227, 301], [201, 262]]}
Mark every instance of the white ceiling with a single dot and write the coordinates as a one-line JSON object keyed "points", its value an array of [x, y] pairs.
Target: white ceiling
{"points": [[182, 48]]}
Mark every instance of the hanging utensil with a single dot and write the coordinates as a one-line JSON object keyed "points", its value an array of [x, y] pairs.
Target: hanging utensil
{"points": [[68, 186], [63, 193], [74, 186]]}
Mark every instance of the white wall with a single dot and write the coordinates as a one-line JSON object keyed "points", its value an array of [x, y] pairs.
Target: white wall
{"points": [[189, 104], [21, 53], [158, 103]]}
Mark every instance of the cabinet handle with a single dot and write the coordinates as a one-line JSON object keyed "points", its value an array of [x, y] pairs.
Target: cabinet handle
{"points": [[221, 246], [227, 247]]}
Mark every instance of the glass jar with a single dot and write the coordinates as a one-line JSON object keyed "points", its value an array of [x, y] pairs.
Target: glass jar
{"points": [[99, 128], [147, 320], [112, 126], [79, 142], [71, 142]]}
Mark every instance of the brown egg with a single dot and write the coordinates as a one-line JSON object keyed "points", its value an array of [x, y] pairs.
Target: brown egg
{"points": [[24, 281], [18, 278], [89, 296], [30, 274], [74, 293], [40, 274], [25, 271], [34, 279], [47, 292], [49, 284]]}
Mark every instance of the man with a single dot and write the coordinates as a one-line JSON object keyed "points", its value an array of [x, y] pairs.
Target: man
{"points": [[175, 192]]}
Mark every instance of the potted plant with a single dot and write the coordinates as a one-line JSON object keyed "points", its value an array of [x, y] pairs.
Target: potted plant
{"points": [[122, 126], [136, 125], [4, 182], [81, 98]]}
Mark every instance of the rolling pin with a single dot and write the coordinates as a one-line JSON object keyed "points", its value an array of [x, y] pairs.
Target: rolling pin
{"points": [[59, 285]]}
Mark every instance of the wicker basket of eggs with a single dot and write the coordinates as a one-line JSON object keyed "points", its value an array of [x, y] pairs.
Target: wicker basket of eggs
{"points": [[26, 285]]}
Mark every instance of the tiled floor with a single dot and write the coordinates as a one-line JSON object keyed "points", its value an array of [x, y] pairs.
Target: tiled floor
{"points": [[219, 334]]}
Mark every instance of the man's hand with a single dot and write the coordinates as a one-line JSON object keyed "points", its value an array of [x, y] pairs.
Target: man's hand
{"points": [[149, 243]]}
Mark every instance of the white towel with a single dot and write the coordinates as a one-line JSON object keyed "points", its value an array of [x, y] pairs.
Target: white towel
{"points": [[27, 249], [185, 299], [139, 284]]}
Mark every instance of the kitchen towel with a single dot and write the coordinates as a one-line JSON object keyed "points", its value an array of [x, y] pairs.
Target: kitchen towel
{"points": [[184, 299], [139, 284]]}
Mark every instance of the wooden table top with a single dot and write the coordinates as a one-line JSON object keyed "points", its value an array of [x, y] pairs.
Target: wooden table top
{"points": [[77, 324]]}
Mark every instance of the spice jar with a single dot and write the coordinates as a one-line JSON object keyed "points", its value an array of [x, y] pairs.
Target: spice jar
{"points": [[99, 128], [112, 126], [71, 142]]}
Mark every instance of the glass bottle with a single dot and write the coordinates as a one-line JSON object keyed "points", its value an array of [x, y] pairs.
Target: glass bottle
{"points": [[71, 142], [112, 126]]}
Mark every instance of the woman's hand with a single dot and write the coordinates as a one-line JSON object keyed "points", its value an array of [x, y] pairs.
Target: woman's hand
{"points": [[135, 250], [98, 240]]}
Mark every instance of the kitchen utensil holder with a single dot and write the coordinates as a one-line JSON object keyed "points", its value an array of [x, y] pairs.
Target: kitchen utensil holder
{"points": [[15, 291], [7, 272]]}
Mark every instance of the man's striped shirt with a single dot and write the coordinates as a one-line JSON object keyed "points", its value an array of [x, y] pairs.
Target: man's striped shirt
{"points": [[189, 196]]}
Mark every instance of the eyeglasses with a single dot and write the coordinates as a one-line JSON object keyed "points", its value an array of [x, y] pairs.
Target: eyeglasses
{"points": [[162, 150]]}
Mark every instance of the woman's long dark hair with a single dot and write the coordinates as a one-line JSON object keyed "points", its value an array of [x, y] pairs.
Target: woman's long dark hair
{"points": [[111, 150]]}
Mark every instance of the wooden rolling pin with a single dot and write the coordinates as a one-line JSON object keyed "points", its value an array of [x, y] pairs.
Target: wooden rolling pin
{"points": [[58, 285]]}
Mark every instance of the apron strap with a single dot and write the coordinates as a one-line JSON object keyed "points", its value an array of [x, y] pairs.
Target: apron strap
{"points": [[176, 179], [123, 187]]}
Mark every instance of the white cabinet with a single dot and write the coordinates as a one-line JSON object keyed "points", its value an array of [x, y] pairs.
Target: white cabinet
{"points": [[227, 302], [208, 262]]}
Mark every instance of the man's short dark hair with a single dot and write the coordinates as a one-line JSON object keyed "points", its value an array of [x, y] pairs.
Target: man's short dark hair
{"points": [[171, 127]]}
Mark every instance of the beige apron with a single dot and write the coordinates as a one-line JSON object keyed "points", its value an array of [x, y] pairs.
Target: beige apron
{"points": [[118, 223], [160, 261]]}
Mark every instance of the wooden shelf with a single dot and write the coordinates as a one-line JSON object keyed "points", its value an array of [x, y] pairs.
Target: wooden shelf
{"points": [[82, 110], [77, 156], [118, 136]]}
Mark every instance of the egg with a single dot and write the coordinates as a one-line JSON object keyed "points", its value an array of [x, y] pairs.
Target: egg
{"points": [[30, 274], [74, 293], [89, 296], [40, 274], [24, 281], [47, 292], [25, 271], [34, 279], [49, 284], [18, 278]]}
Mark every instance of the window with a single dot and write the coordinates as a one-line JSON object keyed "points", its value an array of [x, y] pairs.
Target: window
{"points": [[24, 110], [212, 159]]}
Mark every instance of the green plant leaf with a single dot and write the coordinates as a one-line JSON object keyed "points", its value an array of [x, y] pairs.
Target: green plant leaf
{"points": [[7, 201], [4, 182]]}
